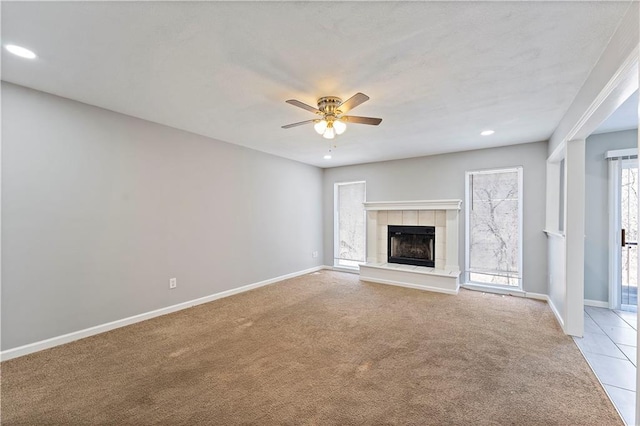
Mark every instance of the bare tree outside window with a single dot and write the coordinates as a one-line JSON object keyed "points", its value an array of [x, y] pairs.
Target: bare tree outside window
{"points": [[629, 222], [493, 245], [350, 238]]}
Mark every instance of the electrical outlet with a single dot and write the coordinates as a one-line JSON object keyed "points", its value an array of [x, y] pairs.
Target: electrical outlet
{"points": [[314, 254], [173, 283]]}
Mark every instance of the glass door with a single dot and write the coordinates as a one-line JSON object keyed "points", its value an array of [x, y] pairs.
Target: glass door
{"points": [[629, 234]]}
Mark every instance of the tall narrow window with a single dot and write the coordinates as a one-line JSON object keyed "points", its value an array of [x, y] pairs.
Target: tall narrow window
{"points": [[349, 222], [494, 227], [629, 227]]}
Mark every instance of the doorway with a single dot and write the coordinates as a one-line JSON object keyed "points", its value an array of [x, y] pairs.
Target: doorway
{"points": [[629, 234], [623, 229], [609, 342]]}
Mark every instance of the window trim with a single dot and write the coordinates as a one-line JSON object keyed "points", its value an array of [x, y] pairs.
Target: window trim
{"points": [[336, 225], [467, 218]]}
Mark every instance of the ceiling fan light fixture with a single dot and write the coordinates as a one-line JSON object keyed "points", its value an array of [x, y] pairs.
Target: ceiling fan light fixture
{"points": [[339, 127], [320, 126], [330, 120], [330, 133]]}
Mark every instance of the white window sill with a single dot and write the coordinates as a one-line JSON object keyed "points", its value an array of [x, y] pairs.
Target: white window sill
{"points": [[549, 233]]}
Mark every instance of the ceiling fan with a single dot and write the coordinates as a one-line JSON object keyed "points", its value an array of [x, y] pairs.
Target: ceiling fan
{"points": [[331, 110]]}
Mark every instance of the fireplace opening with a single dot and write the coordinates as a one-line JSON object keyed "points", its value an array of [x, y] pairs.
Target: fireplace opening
{"points": [[411, 245]]}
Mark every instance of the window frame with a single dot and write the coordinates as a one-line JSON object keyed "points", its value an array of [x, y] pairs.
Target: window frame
{"points": [[336, 225], [467, 222]]}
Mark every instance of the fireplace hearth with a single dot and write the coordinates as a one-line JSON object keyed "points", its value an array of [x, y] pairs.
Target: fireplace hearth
{"points": [[411, 245]]}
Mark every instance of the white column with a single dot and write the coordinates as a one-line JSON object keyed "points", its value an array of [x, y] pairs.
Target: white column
{"points": [[451, 260], [556, 244], [574, 237], [615, 249]]}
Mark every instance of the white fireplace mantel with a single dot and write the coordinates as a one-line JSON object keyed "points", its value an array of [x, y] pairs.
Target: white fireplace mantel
{"points": [[414, 205], [442, 214]]}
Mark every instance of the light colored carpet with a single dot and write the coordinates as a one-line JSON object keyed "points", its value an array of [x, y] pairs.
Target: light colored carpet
{"points": [[319, 349]]}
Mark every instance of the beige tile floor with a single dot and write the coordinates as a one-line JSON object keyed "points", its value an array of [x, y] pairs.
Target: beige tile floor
{"points": [[609, 345]]}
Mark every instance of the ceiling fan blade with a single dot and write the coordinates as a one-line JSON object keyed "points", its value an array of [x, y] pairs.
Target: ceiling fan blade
{"points": [[353, 102], [303, 106], [288, 126], [361, 120]]}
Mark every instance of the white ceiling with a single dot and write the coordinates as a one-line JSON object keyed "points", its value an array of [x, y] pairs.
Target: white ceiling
{"points": [[437, 72], [623, 118]]}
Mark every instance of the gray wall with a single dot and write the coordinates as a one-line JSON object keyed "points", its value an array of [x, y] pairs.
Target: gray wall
{"points": [[442, 177], [101, 209], [596, 248]]}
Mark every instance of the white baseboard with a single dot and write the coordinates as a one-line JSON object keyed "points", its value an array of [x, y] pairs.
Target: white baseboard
{"points": [[596, 303], [493, 289], [91, 331], [537, 296], [509, 291], [546, 298], [556, 313]]}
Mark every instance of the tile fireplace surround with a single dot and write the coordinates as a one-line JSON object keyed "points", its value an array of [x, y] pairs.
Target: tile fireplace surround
{"points": [[443, 214]]}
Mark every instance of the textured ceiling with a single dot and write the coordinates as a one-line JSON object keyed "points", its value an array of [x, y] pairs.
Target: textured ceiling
{"points": [[437, 72]]}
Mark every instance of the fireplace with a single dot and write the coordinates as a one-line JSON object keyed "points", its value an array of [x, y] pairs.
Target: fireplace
{"points": [[411, 245]]}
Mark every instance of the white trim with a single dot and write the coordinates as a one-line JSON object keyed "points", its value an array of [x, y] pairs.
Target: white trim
{"points": [[616, 166], [91, 331], [615, 250], [510, 292], [556, 313], [558, 154], [553, 233], [521, 267], [575, 235], [596, 303], [414, 205], [467, 244], [625, 80], [536, 296], [494, 289], [620, 153], [516, 293], [409, 285]]}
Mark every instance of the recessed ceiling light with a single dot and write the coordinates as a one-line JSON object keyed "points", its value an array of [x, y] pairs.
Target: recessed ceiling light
{"points": [[20, 51], [327, 157], [487, 132]]}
